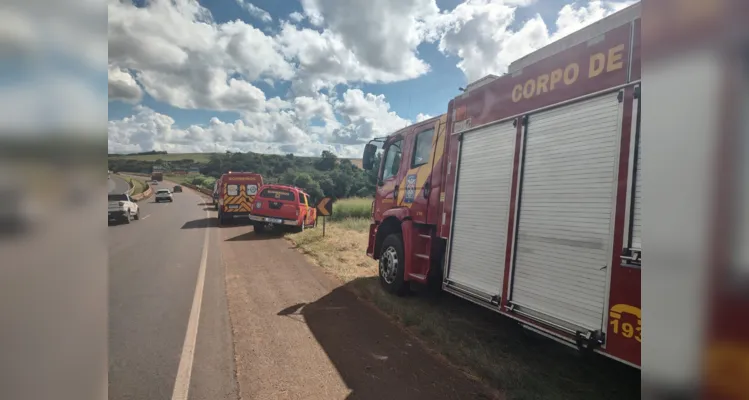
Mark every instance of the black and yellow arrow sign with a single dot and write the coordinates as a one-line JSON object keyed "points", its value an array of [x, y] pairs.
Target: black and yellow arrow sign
{"points": [[325, 207]]}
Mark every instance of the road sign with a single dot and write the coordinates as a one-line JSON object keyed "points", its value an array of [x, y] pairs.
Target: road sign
{"points": [[325, 207]]}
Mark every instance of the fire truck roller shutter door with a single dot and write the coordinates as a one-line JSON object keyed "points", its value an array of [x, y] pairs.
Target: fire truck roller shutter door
{"points": [[479, 233], [564, 234], [637, 198]]}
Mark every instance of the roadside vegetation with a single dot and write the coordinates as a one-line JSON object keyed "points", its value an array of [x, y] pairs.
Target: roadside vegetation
{"points": [[324, 176], [480, 342], [139, 186]]}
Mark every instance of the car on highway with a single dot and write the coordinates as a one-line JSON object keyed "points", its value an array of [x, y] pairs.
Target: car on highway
{"points": [[121, 208], [177, 189], [282, 205], [163, 195], [153, 183]]}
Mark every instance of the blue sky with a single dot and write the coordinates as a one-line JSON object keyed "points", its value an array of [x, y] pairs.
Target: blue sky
{"points": [[408, 91]]}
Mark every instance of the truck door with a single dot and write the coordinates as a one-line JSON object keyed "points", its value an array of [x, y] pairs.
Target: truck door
{"points": [[418, 178], [389, 178]]}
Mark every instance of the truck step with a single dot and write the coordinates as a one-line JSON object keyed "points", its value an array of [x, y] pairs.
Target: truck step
{"points": [[424, 256], [421, 235]]}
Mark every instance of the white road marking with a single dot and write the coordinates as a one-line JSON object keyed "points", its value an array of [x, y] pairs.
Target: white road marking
{"points": [[146, 216], [182, 383]]}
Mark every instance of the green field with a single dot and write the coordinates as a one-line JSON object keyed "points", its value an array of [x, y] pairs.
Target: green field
{"points": [[200, 158], [354, 208], [197, 157]]}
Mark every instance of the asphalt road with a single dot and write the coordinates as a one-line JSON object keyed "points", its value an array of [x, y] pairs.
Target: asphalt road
{"points": [[271, 326], [154, 265], [116, 184]]}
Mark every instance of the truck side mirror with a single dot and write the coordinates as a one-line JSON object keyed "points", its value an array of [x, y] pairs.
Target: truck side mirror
{"points": [[368, 159]]}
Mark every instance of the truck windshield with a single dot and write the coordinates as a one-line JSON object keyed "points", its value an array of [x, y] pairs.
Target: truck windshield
{"points": [[117, 197]]}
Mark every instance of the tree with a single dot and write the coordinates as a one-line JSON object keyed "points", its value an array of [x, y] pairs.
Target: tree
{"points": [[327, 162]]}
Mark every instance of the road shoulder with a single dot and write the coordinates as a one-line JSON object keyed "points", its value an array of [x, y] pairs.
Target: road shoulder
{"points": [[299, 334]]}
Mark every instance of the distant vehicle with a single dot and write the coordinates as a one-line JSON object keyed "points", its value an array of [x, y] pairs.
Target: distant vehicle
{"points": [[283, 205], [121, 208], [177, 189], [157, 176], [163, 195], [154, 183], [236, 194]]}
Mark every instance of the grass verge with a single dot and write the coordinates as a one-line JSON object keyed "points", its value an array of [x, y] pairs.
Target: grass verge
{"points": [[355, 207], [480, 342], [139, 186]]}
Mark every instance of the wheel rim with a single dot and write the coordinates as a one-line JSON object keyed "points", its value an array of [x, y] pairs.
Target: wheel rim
{"points": [[389, 265]]}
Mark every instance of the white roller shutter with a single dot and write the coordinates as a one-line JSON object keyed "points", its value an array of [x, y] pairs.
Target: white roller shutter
{"points": [[637, 198], [479, 233], [566, 212]]}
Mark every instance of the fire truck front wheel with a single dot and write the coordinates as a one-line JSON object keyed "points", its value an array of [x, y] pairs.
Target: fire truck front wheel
{"points": [[392, 261]]}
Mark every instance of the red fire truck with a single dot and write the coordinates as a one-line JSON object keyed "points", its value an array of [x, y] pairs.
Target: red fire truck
{"points": [[525, 196]]}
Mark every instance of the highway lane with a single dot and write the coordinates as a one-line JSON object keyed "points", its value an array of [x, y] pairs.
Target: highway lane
{"points": [[154, 265], [116, 184]]}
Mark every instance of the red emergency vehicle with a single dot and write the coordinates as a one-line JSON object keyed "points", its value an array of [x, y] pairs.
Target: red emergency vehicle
{"points": [[525, 196], [282, 205], [236, 193]]}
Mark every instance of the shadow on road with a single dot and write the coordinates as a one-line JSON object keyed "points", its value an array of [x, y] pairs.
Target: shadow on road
{"points": [[251, 235], [375, 358], [206, 204], [210, 222], [368, 350]]}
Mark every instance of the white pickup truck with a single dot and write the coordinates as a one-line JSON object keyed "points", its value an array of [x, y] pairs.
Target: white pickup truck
{"points": [[122, 209]]}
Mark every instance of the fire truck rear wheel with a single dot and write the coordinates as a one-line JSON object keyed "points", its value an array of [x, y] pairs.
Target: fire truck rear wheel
{"points": [[391, 265], [258, 227]]}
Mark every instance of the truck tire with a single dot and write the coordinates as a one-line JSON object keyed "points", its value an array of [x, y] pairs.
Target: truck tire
{"points": [[259, 228], [137, 214], [391, 265], [128, 217]]}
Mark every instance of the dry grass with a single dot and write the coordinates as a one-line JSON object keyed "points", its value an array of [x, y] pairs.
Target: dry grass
{"points": [[338, 253], [481, 342]]}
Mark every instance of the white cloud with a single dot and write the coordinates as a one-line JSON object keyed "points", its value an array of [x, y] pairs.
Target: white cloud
{"points": [[341, 125], [191, 62], [423, 117], [296, 16], [478, 32], [382, 34], [122, 86], [365, 116], [255, 11], [174, 51]]}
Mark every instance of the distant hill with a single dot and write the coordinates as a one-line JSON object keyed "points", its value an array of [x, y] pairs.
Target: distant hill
{"points": [[198, 158]]}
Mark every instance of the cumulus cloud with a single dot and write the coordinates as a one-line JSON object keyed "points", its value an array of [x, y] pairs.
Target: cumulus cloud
{"points": [[296, 16], [479, 33], [341, 125], [123, 87], [423, 117], [191, 62], [255, 11], [383, 34], [365, 116], [176, 53]]}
